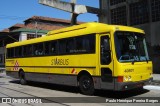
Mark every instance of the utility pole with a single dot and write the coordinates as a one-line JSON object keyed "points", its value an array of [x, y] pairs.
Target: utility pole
{"points": [[73, 15], [36, 27], [104, 17]]}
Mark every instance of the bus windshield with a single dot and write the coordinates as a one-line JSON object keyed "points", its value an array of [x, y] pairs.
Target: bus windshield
{"points": [[130, 47]]}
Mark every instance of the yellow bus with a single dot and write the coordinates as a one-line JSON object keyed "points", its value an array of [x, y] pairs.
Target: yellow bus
{"points": [[90, 56]]}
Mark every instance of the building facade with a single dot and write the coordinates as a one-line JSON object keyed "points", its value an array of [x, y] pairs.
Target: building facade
{"points": [[144, 14]]}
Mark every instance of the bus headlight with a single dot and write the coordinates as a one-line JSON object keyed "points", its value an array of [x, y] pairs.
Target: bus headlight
{"points": [[127, 78]]}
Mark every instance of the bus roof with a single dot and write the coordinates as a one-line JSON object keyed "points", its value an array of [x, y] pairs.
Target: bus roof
{"points": [[86, 28]]}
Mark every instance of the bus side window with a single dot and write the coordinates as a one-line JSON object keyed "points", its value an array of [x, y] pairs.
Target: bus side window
{"points": [[70, 45], [89, 43], [62, 46], [38, 49], [79, 44], [18, 51], [53, 47], [46, 47], [85, 44], [105, 50], [30, 51], [27, 50], [10, 52]]}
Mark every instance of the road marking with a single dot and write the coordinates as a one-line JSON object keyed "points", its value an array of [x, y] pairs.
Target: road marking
{"points": [[152, 87]]}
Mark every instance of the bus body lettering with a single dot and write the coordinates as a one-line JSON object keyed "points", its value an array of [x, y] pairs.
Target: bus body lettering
{"points": [[57, 61]]}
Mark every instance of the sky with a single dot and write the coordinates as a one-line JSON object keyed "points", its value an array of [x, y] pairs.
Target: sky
{"points": [[16, 11]]}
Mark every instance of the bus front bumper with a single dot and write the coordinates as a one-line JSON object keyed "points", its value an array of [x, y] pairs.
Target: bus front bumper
{"points": [[122, 86]]}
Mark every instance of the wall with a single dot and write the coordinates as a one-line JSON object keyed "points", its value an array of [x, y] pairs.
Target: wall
{"points": [[23, 36]]}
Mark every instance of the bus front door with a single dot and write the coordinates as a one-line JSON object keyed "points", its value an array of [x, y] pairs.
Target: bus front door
{"points": [[106, 62]]}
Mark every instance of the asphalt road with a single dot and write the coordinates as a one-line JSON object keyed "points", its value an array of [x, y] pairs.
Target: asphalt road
{"points": [[41, 94]]}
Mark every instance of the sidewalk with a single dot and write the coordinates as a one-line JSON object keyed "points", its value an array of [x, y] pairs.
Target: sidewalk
{"points": [[156, 77]]}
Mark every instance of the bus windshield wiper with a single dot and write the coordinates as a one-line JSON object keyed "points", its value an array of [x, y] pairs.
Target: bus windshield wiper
{"points": [[146, 59], [133, 62], [132, 58]]}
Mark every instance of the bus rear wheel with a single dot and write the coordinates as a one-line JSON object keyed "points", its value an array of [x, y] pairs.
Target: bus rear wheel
{"points": [[22, 78], [86, 85]]}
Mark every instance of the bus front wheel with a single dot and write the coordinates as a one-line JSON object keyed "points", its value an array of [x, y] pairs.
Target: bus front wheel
{"points": [[86, 85], [22, 78]]}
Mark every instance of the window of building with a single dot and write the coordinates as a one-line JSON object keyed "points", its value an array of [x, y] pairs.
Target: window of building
{"points": [[139, 12], [155, 5], [114, 2], [118, 16], [31, 36]]}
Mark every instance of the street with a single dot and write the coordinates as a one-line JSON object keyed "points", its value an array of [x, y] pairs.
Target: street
{"points": [[65, 95]]}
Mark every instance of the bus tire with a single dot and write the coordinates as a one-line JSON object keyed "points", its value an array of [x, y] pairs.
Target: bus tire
{"points": [[86, 85], [22, 78]]}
